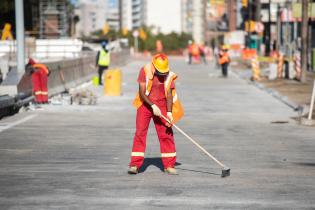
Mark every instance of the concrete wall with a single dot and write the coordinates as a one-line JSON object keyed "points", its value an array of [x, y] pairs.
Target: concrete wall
{"points": [[65, 74], [77, 71], [44, 48], [69, 73]]}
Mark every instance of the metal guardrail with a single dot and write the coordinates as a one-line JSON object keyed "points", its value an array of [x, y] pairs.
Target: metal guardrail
{"points": [[68, 73], [42, 50]]}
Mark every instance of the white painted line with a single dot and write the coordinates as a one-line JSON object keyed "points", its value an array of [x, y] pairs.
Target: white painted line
{"points": [[10, 125]]}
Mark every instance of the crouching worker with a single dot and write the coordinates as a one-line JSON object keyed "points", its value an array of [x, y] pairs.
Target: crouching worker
{"points": [[40, 75], [157, 96]]}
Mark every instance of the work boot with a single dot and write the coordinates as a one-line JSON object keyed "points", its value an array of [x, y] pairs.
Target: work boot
{"points": [[171, 171], [132, 170]]}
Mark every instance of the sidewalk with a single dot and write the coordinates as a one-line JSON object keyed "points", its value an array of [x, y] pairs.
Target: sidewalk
{"points": [[291, 92]]}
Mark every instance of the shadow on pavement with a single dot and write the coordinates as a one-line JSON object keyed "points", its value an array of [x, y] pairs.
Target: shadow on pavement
{"points": [[204, 172], [155, 161], [305, 164]]}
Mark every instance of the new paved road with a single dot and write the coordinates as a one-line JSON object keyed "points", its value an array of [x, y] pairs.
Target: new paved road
{"points": [[76, 157]]}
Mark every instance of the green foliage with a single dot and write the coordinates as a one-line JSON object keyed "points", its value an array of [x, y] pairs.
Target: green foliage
{"points": [[7, 14], [172, 42], [6, 6]]}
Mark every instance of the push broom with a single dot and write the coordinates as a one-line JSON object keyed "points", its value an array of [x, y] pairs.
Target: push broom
{"points": [[225, 170]]}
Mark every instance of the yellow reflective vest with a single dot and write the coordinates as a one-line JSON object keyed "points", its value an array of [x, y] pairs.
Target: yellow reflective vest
{"points": [[104, 58], [177, 109]]}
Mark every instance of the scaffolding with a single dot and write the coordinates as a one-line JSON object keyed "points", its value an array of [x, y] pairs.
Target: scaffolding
{"points": [[56, 10]]}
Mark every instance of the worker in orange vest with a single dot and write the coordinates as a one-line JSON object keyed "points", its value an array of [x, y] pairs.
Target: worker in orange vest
{"points": [[224, 60], [40, 75], [156, 97], [193, 51]]}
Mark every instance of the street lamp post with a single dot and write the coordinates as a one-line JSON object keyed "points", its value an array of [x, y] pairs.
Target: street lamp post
{"points": [[19, 18], [304, 53]]}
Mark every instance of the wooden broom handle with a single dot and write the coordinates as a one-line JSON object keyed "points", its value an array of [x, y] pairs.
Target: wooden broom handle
{"points": [[194, 142]]}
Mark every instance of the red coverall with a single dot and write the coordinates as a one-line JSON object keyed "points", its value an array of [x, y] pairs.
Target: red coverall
{"points": [[41, 85], [36, 83], [144, 115], [44, 83]]}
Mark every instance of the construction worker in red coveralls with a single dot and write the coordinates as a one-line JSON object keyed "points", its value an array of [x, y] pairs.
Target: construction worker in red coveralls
{"points": [[157, 96], [40, 75]]}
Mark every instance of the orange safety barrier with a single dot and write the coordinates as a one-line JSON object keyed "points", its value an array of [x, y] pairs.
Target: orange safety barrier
{"points": [[297, 65], [280, 65], [248, 53], [255, 68]]}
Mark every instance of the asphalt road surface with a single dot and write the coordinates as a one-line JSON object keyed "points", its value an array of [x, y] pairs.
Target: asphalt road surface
{"points": [[76, 157]]}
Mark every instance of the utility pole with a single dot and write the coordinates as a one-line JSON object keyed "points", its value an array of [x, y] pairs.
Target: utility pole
{"points": [[120, 11], [258, 20], [304, 54], [19, 26], [232, 15], [268, 38], [249, 23], [257, 12], [278, 46]]}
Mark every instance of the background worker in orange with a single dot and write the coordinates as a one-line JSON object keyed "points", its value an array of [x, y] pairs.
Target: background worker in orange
{"points": [[40, 75], [194, 52], [224, 60], [36, 82], [157, 96]]}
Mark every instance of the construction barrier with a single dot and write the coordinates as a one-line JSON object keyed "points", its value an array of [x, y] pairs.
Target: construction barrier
{"points": [[297, 65], [280, 65], [248, 53], [267, 59], [112, 82], [255, 68]]}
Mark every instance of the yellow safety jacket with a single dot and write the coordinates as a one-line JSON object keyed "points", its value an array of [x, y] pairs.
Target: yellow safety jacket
{"points": [[177, 109], [104, 58]]}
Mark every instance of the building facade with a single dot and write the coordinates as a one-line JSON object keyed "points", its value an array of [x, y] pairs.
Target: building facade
{"points": [[193, 18], [138, 13], [126, 14], [92, 14]]}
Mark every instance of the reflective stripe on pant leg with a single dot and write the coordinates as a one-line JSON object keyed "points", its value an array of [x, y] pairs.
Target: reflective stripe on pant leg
{"points": [[45, 96], [137, 154], [44, 81], [144, 116], [38, 96], [36, 86], [166, 138], [167, 155]]}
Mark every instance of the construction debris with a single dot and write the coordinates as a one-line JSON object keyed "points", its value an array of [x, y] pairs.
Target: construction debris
{"points": [[78, 97], [84, 97]]}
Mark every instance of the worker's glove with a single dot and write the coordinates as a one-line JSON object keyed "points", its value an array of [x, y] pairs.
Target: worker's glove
{"points": [[169, 116], [156, 110]]}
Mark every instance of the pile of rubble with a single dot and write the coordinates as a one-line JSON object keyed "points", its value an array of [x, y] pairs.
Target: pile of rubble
{"points": [[77, 97], [84, 97]]}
